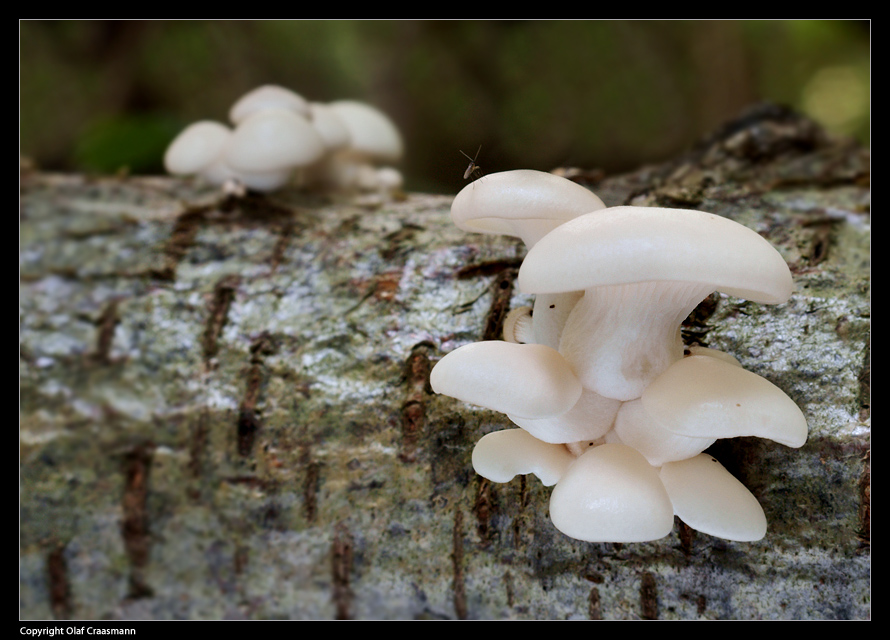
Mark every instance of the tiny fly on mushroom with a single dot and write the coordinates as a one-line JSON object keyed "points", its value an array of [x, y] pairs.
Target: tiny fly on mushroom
{"points": [[473, 169]]}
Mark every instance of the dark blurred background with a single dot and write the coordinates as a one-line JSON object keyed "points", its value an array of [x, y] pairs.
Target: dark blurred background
{"points": [[106, 96]]}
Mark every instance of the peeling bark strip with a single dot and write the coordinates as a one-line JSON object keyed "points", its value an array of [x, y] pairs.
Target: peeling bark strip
{"points": [[59, 586], [864, 532], [341, 567], [500, 305], [417, 375], [865, 385], [687, 537], [285, 235], [490, 268], [181, 238], [820, 243], [135, 529], [223, 293], [197, 445], [594, 609], [310, 484], [105, 325], [648, 597], [249, 422], [483, 508], [457, 566]]}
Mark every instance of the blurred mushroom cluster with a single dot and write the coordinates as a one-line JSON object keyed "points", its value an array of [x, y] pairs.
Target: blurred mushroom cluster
{"points": [[278, 138], [613, 410]]}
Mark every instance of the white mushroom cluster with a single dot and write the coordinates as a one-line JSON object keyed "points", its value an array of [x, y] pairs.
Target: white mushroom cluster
{"points": [[277, 137], [612, 410]]}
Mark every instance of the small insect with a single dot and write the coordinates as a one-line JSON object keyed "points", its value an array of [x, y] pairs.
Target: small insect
{"points": [[473, 169]]}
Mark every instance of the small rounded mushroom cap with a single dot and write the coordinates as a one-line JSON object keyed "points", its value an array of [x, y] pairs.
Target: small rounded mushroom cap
{"points": [[329, 125], [271, 140], [502, 455], [611, 494], [624, 245], [267, 96], [527, 380], [709, 499], [197, 147], [373, 136], [523, 203], [635, 427], [707, 397]]}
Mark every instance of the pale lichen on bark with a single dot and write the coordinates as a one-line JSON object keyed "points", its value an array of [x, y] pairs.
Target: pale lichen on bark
{"points": [[224, 410]]}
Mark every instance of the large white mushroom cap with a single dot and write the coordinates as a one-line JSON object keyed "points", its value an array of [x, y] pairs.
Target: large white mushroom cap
{"points": [[523, 203], [643, 270], [624, 245]]}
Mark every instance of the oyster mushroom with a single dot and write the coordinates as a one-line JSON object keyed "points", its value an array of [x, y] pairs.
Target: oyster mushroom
{"points": [[198, 150], [523, 380], [268, 145], [636, 427], [268, 96], [709, 499], [524, 203], [642, 270], [501, 455], [706, 397], [527, 204], [611, 494], [374, 140]]}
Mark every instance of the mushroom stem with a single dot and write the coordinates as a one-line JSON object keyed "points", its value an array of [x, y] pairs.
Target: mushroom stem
{"points": [[618, 338]]}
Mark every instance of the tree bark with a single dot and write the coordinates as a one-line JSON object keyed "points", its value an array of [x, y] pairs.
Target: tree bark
{"points": [[225, 409]]}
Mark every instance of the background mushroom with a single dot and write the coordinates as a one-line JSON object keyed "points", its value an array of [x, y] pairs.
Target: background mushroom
{"points": [[268, 145], [198, 150], [374, 140], [268, 96]]}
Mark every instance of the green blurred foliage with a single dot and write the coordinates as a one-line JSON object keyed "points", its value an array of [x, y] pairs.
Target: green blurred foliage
{"points": [[108, 95]]}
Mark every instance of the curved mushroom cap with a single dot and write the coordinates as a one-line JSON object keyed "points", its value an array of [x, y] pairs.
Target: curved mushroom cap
{"points": [[372, 134], [527, 380], [501, 455], [611, 494], [623, 245], [522, 203], [707, 397], [709, 499], [635, 427], [267, 96], [197, 147], [272, 140], [329, 125], [589, 419]]}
